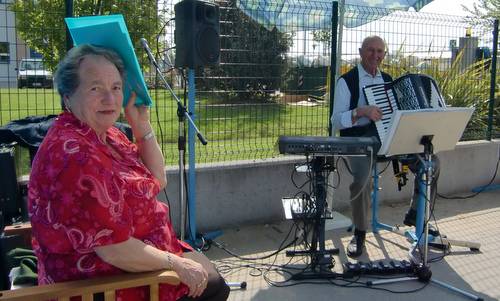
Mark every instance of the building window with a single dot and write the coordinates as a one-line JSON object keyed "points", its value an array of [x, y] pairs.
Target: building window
{"points": [[4, 52]]}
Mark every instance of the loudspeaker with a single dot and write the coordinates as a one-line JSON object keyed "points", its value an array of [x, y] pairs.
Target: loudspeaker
{"points": [[197, 34], [9, 202]]}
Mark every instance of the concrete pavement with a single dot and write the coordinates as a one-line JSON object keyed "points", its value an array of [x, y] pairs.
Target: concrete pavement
{"points": [[474, 219]]}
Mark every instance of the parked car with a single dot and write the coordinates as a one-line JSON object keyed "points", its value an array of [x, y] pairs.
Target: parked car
{"points": [[32, 73]]}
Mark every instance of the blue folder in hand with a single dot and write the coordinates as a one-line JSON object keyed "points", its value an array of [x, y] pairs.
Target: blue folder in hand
{"points": [[111, 32]]}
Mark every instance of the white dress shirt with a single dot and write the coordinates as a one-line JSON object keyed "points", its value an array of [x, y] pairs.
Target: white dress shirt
{"points": [[342, 115]]}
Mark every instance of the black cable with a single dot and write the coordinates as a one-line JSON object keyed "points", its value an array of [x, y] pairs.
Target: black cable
{"points": [[157, 109], [158, 43], [188, 229], [265, 270], [335, 171], [294, 172], [220, 246], [420, 181], [168, 203], [431, 215], [475, 193], [349, 284], [446, 250], [384, 169], [346, 165]]}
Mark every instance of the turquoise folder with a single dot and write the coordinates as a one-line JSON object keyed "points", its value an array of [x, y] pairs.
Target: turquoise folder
{"points": [[111, 32]]}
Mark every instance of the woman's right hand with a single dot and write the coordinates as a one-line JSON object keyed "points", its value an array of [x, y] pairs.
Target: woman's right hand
{"points": [[191, 273]]}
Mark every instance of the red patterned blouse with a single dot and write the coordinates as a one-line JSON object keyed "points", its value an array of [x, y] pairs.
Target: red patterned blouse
{"points": [[84, 194]]}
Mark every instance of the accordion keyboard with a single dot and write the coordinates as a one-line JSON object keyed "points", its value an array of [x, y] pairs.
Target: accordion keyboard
{"points": [[383, 97]]}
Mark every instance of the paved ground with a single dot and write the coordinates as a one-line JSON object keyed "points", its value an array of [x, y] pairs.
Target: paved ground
{"points": [[474, 219]]}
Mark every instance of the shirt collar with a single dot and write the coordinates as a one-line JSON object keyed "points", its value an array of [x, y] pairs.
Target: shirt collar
{"points": [[363, 73], [69, 119]]}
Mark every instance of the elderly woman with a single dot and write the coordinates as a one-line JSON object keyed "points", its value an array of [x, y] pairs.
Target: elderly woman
{"points": [[92, 193]]}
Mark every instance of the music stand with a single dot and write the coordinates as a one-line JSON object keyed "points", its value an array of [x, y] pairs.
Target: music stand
{"points": [[408, 127], [425, 131]]}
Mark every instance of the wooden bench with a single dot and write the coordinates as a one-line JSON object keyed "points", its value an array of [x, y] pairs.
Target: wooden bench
{"points": [[86, 288]]}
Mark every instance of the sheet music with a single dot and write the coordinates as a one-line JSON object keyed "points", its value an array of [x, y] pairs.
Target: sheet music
{"points": [[410, 126], [412, 92]]}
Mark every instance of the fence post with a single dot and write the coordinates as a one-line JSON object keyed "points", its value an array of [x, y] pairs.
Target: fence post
{"points": [[68, 4], [493, 80], [333, 60]]}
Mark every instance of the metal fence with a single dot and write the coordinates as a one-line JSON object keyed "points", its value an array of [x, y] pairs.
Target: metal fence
{"points": [[271, 81]]}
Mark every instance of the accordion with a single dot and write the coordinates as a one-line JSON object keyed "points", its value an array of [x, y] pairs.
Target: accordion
{"points": [[408, 92]]}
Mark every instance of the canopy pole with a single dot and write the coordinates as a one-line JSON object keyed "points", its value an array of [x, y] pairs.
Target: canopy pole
{"points": [[341, 12]]}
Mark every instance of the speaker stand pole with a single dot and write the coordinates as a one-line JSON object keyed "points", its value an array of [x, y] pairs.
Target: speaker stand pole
{"points": [[181, 141], [191, 200], [192, 130]]}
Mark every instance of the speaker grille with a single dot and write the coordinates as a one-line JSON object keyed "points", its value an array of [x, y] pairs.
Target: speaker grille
{"points": [[208, 45], [197, 34]]}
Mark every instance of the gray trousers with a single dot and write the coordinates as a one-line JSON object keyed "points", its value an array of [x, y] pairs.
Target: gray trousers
{"points": [[361, 190]]}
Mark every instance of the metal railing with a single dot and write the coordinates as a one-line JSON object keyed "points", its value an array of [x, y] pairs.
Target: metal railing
{"points": [[271, 81]]}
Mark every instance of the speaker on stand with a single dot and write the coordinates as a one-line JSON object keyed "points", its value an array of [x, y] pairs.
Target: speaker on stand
{"points": [[197, 44], [197, 34]]}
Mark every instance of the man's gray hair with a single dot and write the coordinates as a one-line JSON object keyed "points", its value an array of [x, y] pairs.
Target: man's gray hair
{"points": [[372, 38], [66, 76]]}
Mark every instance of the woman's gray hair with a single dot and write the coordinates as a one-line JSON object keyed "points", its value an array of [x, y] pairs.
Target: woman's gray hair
{"points": [[66, 76]]}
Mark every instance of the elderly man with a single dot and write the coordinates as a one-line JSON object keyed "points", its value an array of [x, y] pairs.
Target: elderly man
{"points": [[353, 117]]}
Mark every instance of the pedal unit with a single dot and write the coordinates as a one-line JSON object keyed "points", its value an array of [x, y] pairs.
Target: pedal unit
{"points": [[379, 267]]}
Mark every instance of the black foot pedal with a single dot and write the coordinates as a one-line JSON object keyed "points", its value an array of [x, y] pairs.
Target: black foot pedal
{"points": [[351, 269], [407, 266], [364, 268], [398, 268]]}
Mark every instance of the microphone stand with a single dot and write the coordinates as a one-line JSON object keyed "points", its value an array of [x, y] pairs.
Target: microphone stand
{"points": [[182, 114], [181, 143]]}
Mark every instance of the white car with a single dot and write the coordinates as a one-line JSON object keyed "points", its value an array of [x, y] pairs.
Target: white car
{"points": [[32, 73]]}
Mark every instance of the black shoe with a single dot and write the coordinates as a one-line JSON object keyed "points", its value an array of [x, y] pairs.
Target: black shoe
{"points": [[410, 217], [355, 247], [410, 220], [433, 231]]}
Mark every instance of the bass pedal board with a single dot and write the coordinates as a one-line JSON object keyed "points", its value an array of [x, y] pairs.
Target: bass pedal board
{"points": [[379, 267]]}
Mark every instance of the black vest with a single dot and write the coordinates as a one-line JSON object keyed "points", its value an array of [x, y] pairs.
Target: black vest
{"points": [[352, 80]]}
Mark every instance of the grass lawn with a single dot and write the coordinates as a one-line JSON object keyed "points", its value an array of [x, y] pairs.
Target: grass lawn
{"points": [[234, 131]]}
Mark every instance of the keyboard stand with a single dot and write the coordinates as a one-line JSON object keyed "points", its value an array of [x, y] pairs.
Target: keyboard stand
{"points": [[321, 258]]}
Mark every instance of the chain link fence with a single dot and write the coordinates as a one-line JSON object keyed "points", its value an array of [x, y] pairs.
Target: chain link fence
{"points": [[269, 82]]}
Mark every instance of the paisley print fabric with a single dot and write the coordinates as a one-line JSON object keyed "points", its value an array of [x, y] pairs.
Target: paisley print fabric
{"points": [[84, 194]]}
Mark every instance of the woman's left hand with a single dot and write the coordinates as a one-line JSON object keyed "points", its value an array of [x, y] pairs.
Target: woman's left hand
{"points": [[137, 117]]}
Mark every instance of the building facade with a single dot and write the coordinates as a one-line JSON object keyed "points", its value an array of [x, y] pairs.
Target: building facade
{"points": [[8, 44]]}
